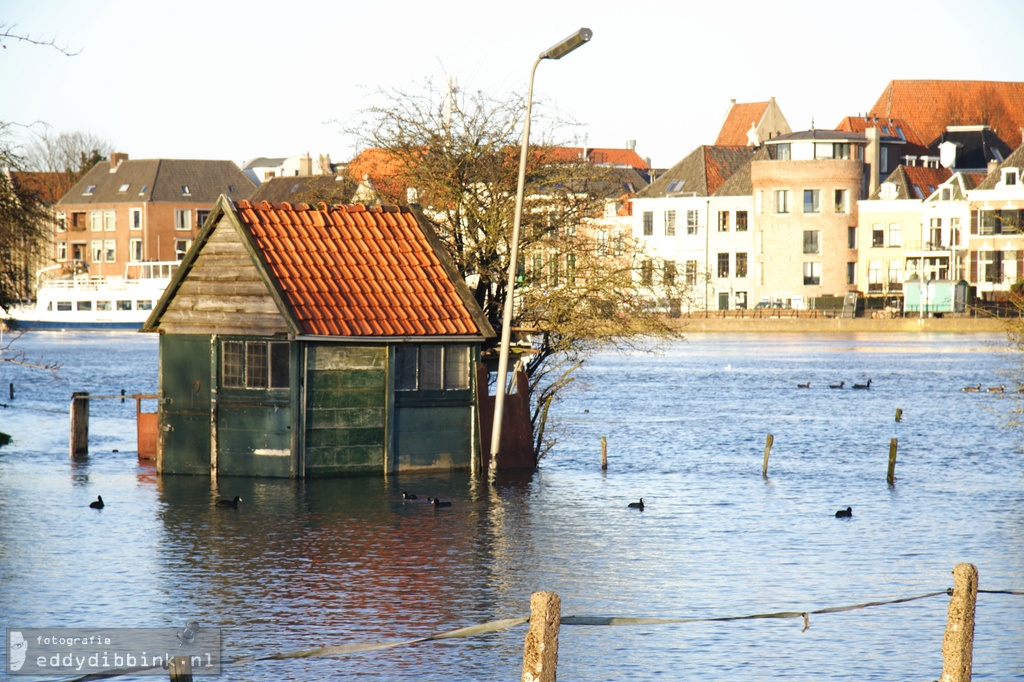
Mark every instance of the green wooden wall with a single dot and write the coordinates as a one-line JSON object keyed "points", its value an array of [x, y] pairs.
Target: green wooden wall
{"points": [[346, 410]]}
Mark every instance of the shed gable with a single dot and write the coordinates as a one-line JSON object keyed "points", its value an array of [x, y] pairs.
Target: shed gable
{"points": [[223, 292]]}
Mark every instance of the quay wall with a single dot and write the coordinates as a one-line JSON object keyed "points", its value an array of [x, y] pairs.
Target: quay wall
{"points": [[957, 325]]}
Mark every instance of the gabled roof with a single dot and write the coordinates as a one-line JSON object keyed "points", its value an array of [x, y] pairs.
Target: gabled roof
{"points": [[739, 120], [597, 156], [700, 173], [916, 182], [892, 130], [1014, 160], [346, 271], [46, 187], [764, 117], [165, 180], [307, 189], [975, 147], [929, 106]]}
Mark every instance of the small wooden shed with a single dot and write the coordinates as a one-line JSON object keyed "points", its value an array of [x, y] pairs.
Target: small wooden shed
{"points": [[300, 341]]}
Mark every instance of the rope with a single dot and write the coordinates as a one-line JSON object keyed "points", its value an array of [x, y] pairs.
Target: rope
{"points": [[504, 624]]}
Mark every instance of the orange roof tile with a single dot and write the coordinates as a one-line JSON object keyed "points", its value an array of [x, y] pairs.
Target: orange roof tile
{"points": [[344, 271], [738, 121], [596, 155], [932, 105]]}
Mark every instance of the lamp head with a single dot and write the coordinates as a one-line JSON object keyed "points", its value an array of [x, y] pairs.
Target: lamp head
{"points": [[567, 45]]}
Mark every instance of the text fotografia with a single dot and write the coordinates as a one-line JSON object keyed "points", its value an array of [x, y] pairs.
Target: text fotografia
{"points": [[90, 651]]}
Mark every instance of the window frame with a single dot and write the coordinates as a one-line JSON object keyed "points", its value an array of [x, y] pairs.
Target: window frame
{"points": [[255, 364], [432, 369]]}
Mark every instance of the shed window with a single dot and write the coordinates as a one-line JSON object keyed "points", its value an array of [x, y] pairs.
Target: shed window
{"points": [[433, 367], [255, 364]]}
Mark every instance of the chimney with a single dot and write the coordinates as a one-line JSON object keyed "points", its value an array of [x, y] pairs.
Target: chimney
{"points": [[873, 157], [305, 165], [993, 166], [115, 160], [631, 144]]}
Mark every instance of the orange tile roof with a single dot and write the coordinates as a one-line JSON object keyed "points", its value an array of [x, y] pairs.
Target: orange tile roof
{"points": [[931, 105], [355, 271], [738, 121], [889, 127], [596, 155]]}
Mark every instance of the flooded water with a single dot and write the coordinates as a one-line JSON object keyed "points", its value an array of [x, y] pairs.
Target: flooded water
{"points": [[303, 564]]}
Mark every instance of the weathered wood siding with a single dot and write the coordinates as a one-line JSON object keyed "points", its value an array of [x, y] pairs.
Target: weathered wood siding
{"points": [[223, 293], [434, 437], [184, 433], [346, 410]]}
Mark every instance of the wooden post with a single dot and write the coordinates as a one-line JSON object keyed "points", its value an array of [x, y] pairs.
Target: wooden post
{"points": [[958, 643], [540, 655], [604, 453], [891, 475], [899, 414], [767, 450], [180, 669], [79, 424]]}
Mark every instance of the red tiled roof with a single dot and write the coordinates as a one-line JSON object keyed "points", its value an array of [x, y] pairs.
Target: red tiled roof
{"points": [[932, 105], [721, 162], [596, 155], [357, 271], [927, 178], [889, 127], [738, 121]]}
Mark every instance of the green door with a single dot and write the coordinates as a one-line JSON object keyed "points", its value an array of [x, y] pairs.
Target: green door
{"points": [[185, 408]]}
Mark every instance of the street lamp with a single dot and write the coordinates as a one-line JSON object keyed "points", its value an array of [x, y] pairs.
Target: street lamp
{"points": [[556, 51]]}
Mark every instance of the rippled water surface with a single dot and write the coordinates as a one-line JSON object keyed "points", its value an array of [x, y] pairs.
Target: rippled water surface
{"points": [[302, 564]]}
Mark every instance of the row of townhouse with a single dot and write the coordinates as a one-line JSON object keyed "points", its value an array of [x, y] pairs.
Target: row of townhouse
{"points": [[802, 219]]}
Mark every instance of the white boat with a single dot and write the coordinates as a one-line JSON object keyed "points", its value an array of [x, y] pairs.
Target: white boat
{"points": [[67, 298]]}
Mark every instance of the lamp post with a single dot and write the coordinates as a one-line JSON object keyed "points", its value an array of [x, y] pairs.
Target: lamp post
{"points": [[556, 51]]}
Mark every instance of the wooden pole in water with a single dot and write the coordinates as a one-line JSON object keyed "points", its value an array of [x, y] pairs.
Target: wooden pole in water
{"points": [[540, 655], [180, 669], [767, 450], [604, 453], [891, 476], [79, 424], [958, 643]]}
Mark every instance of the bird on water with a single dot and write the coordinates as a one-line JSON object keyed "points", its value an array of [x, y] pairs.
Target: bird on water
{"points": [[971, 389], [97, 503], [440, 503], [807, 385], [997, 389], [637, 505], [867, 385], [844, 513], [409, 496], [232, 504], [841, 384]]}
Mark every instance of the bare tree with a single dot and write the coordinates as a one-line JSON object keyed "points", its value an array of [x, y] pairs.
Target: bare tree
{"points": [[459, 155], [9, 32]]}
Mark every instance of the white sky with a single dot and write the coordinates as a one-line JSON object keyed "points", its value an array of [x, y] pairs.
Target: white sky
{"points": [[211, 79]]}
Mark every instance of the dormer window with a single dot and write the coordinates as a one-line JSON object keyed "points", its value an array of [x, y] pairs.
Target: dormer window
{"points": [[1010, 177], [89, 190], [947, 194]]}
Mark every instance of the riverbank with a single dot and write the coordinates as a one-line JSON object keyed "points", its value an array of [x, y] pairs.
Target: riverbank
{"points": [[903, 325]]}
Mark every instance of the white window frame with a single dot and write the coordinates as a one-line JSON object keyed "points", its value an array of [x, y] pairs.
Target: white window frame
{"points": [[895, 235], [182, 219], [135, 219], [110, 250], [670, 223], [96, 249], [109, 221], [692, 221], [61, 221], [62, 251], [95, 221], [782, 201], [135, 249]]}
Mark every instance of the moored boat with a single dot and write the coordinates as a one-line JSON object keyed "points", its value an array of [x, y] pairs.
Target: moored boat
{"points": [[68, 298]]}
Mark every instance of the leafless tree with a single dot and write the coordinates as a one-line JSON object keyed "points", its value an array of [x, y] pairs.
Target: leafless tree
{"points": [[10, 32], [459, 152]]}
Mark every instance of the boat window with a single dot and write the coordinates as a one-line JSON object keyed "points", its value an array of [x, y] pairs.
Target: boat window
{"points": [[84, 305], [63, 305], [103, 305], [144, 305], [124, 305]]}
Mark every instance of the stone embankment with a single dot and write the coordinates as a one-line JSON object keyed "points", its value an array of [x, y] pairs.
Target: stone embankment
{"points": [[789, 323]]}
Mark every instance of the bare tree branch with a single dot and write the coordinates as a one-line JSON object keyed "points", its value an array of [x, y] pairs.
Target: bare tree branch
{"points": [[7, 33]]}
